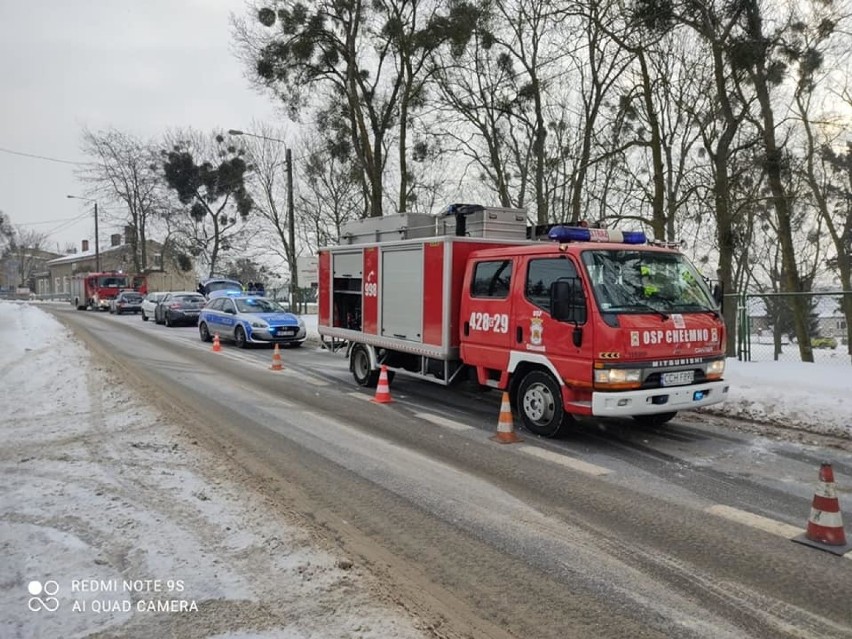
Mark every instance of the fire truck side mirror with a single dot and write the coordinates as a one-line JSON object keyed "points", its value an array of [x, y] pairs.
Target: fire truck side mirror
{"points": [[719, 295], [568, 304]]}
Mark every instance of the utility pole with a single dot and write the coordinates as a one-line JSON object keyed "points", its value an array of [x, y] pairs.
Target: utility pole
{"points": [[97, 243], [291, 222]]}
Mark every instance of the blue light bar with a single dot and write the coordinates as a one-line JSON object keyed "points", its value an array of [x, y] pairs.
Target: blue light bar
{"points": [[569, 234], [581, 234], [634, 237]]}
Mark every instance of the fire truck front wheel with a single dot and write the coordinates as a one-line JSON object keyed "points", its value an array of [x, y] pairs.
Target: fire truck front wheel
{"points": [[359, 362], [539, 402]]}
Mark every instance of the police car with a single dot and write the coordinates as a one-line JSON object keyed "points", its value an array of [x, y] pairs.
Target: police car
{"points": [[249, 319]]}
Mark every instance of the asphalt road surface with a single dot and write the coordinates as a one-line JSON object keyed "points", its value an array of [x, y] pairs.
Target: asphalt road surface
{"points": [[612, 531]]}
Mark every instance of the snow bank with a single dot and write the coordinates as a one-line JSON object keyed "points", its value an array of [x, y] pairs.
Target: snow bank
{"points": [[812, 397]]}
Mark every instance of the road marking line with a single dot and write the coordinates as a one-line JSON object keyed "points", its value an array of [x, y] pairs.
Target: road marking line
{"points": [[315, 381], [359, 396], [755, 521], [570, 462], [443, 421]]}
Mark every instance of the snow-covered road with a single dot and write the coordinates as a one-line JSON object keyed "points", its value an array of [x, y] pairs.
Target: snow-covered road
{"points": [[113, 514]]}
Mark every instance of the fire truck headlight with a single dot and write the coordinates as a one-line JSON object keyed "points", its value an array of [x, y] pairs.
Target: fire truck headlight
{"points": [[618, 376], [716, 369]]}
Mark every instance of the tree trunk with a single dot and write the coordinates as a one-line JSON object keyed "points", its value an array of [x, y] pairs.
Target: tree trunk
{"points": [[543, 216], [781, 204], [658, 211]]}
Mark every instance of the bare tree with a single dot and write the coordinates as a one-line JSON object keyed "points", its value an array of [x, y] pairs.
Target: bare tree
{"points": [[23, 250], [207, 174], [266, 153], [366, 63], [6, 231], [124, 169], [329, 195], [827, 165]]}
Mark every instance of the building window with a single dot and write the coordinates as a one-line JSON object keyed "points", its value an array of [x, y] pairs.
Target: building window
{"points": [[841, 325], [157, 261]]}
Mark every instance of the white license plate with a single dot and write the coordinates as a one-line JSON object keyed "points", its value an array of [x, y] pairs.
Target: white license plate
{"points": [[677, 379]]}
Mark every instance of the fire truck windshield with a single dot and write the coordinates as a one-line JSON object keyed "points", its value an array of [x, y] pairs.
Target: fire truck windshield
{"points": [[112, 281], [633, 281]]}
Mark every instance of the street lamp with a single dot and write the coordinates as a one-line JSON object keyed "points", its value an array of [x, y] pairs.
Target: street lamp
{"points": [[291, 219], [97, 244]]}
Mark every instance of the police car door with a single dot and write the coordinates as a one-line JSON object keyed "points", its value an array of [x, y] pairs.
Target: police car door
{"points": [[229, 317]]}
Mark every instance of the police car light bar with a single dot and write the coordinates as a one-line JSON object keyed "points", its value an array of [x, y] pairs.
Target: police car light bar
{"points": [[580, 234]]}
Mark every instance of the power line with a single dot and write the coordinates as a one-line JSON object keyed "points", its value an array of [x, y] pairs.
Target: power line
{"points": [[40, 157], [68, 223], [60, 219]]}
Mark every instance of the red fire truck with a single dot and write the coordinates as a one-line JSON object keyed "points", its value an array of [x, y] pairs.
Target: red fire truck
{"points": [[592, 322], [95, 290]]}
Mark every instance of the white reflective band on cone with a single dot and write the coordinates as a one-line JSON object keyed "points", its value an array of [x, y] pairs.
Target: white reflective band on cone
{"points": [[827, 520], [826, 490]]}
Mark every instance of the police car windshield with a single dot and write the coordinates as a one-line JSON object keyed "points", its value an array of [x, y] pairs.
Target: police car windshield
{"points": [[638, 281], [258, 305]]}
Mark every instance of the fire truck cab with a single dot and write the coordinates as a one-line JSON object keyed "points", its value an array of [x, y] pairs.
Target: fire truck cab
{"points": [[591, 322]]}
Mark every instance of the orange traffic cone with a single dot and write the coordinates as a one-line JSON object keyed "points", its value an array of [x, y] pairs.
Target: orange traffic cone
{"points": [[825, 524], [505, 427], [276, 360], [383, 388], [216, 345]]}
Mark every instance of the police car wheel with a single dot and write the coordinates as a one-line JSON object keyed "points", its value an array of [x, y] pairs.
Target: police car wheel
{"points": [[539, 401], [204, 332], [240, 337], [655, 420]]}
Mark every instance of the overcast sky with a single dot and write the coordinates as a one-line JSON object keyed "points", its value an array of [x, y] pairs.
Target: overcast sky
{"points": [[142, 66]]}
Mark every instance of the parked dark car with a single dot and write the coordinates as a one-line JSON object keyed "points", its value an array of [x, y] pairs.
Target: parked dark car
{"points": [[126, 302], [179, 308]]}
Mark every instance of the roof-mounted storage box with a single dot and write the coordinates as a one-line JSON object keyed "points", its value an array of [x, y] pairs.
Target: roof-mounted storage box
{"points": [[485, 221], [407, 226]]}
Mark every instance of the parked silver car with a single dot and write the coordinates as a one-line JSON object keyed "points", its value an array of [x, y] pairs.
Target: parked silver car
{"points": [[149, 305]]}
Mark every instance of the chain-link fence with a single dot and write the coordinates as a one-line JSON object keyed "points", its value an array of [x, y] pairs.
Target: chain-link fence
{"points": [[765, 329]]}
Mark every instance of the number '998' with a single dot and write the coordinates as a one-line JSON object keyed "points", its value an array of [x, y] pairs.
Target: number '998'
{"points": [[498, 323]]}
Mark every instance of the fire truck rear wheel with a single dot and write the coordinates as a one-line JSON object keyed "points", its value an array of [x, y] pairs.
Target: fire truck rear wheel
{"points": [[655, 420], [539, 402], [359, 362]]}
